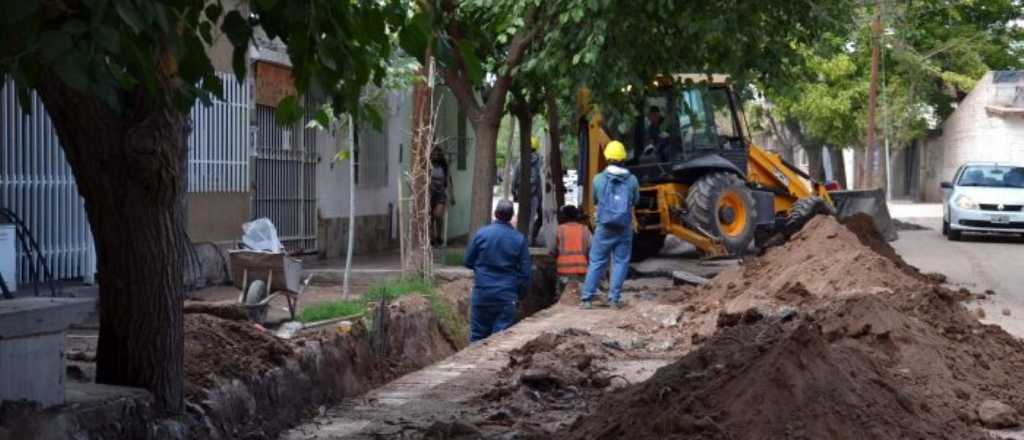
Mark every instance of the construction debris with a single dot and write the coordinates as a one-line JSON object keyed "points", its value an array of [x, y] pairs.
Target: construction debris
{"points": [[683, 277]]}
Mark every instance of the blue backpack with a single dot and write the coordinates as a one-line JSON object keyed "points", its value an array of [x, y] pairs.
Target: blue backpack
{"points": [[614, 207]]}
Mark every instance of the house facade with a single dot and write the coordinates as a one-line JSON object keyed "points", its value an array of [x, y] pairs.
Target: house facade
{"points": [[988, 125], [242, 165]]}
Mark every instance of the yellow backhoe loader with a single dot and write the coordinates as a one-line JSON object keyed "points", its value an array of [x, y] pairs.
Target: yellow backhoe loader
{"points": [[701, 177]]}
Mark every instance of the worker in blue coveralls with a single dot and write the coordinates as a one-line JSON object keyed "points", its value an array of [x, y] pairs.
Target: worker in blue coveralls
{"points": [[500, 259]]}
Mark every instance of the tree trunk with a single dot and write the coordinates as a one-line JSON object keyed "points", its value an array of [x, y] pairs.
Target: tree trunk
{"points": [[346, 289], [486, 131], [130, 172], [526, 208], [860, 177], [871, 171], [838, 166], [815, 164], [555, 152], [419, 171], [506, 184]]}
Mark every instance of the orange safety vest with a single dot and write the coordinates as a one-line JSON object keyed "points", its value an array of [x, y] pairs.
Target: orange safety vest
{"points": [[573, 242]]}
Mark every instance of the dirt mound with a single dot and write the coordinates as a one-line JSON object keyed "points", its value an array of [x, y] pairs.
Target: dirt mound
{"points": [[218, 350], [769, 380], [934, 346], [831, 335], [863, 227], [825, 259]]}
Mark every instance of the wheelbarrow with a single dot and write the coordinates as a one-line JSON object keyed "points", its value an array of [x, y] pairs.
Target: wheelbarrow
{"points": [[262, 276]]}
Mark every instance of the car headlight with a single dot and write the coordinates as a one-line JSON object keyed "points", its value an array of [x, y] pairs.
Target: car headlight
{"points": [[964, 202]]}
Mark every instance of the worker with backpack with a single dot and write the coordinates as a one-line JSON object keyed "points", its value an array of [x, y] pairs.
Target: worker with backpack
{"points": [[616, 192]]}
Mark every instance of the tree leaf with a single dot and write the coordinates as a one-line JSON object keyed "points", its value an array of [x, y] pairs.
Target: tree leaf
{"points": [[108, 39], [126, 9], [74, 72], [473, 65], [238, 63], [213, 11], [237, 29], [53, 44], [288, 111]]}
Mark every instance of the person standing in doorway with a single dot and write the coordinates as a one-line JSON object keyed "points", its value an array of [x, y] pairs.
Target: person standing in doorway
{"points": [[440, 194], [615, 193], [500, 259]]}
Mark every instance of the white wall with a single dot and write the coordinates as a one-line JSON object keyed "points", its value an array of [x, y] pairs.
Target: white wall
{"points": [[972, 133], [333, 177], [448, 130]]}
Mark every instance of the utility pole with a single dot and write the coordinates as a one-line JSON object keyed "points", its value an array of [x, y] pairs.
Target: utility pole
{"points": [[871, 165]]}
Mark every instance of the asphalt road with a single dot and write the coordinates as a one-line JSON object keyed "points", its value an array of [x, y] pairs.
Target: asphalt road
{"points": [[979, 263]]}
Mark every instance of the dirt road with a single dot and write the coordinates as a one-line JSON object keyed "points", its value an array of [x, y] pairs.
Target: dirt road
{"points": [[978, 263]]}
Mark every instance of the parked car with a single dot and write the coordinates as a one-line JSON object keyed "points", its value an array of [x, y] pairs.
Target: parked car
{"points": [[984, 197]]}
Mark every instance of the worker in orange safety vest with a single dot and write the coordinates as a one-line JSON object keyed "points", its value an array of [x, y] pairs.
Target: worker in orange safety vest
{"points": [[573, 244]]}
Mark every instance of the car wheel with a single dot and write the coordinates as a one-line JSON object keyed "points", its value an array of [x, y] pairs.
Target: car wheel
{"points": [[945, 228], [954, 235]]}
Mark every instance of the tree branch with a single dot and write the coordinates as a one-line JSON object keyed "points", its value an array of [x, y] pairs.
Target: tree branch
{"points": [[517, 48]]}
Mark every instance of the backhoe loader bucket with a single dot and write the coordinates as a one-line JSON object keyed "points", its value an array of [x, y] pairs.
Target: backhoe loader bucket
{"points": [[871, 202]]}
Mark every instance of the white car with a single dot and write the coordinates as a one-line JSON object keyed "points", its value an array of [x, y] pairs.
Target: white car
{"points": [[984, 197]]}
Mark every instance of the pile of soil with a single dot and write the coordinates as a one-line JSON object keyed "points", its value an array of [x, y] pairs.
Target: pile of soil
{"points": [[769, 380], [549, 380], [831, 335], [572, 357], [219, 350]]}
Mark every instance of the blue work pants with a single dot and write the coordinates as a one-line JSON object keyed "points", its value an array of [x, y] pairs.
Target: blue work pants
{"points": [[487, 319], [608, 245]]}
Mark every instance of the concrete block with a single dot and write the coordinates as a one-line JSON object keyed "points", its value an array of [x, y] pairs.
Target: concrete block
{"points": [[32, 346]]}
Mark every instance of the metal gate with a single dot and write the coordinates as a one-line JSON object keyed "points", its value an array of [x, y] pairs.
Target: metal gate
{"points": [[218, 147], [36, 184], [284, 180]]}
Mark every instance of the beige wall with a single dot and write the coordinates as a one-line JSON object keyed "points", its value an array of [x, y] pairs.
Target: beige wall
{"points": [[972, 133], [217, 217]]}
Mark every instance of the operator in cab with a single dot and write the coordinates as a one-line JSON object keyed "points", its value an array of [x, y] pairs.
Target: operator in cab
{"points": [[652, 136], [615, 193]]}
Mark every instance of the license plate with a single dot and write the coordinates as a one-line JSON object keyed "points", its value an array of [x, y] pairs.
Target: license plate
{"points": [[1000, 218]]}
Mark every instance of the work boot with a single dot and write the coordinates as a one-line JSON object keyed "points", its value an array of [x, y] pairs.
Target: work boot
{"points": [[617, 305], [586, 305]]}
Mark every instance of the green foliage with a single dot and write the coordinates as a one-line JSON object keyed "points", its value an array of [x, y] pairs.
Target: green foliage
{"points": [[457, 327], [935, 51], [124, 51], [393, 289], [609, 45], [331, 310], [388, 290], [454, 257]]}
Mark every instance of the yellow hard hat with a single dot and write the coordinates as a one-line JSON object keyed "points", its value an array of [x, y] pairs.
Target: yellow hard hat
{"points": [[534, 143], [615, 151]]}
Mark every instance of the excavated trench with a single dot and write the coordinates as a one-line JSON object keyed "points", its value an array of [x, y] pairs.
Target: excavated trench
{"points": [[243, 382]]}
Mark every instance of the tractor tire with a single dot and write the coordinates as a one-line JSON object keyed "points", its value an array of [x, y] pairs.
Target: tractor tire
{"points": [[720, 204], [646, 245], [803, 211]]}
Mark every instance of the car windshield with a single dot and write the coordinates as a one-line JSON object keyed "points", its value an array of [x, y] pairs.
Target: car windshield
{"points": [[995, 176]]}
